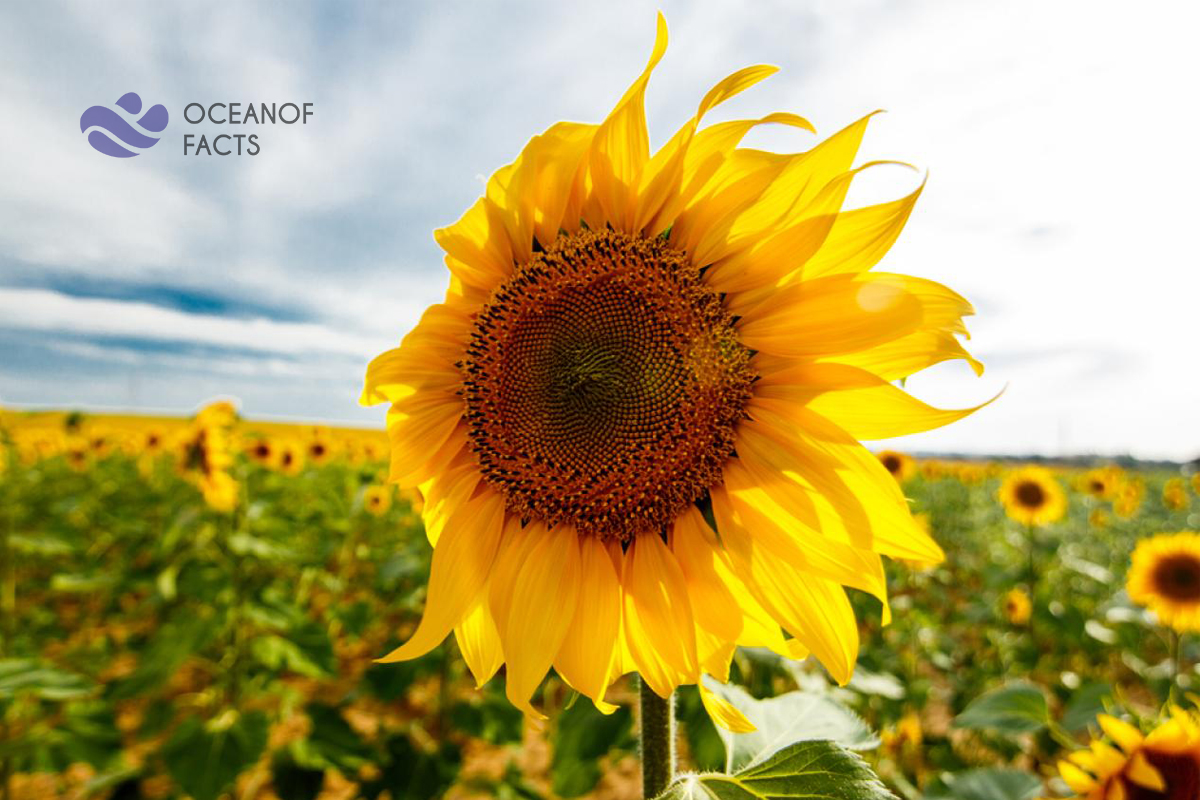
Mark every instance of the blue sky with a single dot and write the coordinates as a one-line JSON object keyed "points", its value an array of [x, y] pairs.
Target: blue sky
{"points": [[1058, 137]]}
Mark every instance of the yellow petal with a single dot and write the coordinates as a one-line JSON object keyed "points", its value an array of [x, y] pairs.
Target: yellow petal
{"points": [[813, 609], [585, 660], [861, 403], [480, 643], [697, 550], [860, 237], [833, 469], [664, 175], [461, 565], [1143, 773], [1077, 779], [910, 354], [540, 611], [658, 617], [826, 316], [478, 251], [622, 147], [1127, 737], [781, 528], [723, 712]]}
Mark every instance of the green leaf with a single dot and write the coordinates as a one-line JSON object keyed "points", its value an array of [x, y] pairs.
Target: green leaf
{"points": [[817, 770], [291, 781], [583, 735], [784, 720], [993, 784], [81, 584], [1013, 709], [1086, 703], [881, 684], [41, 680], [205, 759], [331, 744]]}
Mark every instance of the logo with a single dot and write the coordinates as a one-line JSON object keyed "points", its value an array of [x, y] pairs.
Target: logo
{"points": [[111, 127]]}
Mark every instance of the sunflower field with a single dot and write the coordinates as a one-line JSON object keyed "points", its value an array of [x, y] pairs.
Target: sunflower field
{"points": [[192, 608]]}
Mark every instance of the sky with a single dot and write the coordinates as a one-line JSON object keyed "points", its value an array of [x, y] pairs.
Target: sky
{"points": [[1059, 140]]}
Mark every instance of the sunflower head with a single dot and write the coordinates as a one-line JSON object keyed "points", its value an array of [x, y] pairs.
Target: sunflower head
{"points": [[1033, 496], [1017, 606], [1128, 500], [634, 420], [1164, 576], [262, 450], [154, 440], [289, 457], [378, 499], [1161, 765], [901, 466], [1175, 494], [1100, 483], [320, 449]]}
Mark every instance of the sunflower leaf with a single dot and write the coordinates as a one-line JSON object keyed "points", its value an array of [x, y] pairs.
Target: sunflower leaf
{"points": [[816, 770], [785, 720], [1013, 709], [992, 784]]}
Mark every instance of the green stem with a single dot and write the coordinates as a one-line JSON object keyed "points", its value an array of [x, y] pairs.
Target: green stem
{"points": [[1032, 543], [1176, 665], [658, 742]]}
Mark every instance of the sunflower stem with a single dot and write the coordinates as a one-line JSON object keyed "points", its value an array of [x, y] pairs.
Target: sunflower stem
{"points": [[1176, 665], [658, 741]]}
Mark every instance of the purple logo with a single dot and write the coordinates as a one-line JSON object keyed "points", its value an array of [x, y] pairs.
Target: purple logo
{"points": [[112, 127]]}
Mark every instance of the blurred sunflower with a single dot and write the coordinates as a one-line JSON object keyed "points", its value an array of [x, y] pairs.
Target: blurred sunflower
{"points": [[289, 458], [1175, 494], [1017, 606], [78, 453], [900, 465], [1100, 483], [1032, 496], [320, 445], [1161, 765], [377, 499], [637, 352], [261, 450], [154, 440], [1164, 576], [1129, 497]]}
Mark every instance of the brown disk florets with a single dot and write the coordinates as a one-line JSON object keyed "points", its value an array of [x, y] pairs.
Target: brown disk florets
{"points": [[603, 382]]}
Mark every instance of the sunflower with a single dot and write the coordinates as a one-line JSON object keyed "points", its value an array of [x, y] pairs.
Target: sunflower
{"points": [[901, 466], [1100, 483], [1017, 606], [319, 449], [289, 458], [1175, 494], [261, 450], [1165, 577], [153, 441], [1161, 765], [1032, 496], [1129, 498], [377, 500], [635, 417]]}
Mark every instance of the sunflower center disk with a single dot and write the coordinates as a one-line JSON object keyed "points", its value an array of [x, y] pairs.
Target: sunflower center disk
{"points": [[603, 382], [1178, 577]]}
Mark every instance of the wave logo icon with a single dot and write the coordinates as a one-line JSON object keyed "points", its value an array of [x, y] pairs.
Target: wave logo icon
{"points": [[111, 131]]}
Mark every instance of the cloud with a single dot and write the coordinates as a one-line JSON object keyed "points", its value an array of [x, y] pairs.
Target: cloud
{"points": [[1057, 137]]}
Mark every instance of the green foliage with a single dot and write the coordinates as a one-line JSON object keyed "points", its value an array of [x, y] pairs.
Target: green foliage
{"points": [[817, 770], [1012, 709], [582, 735], [206, 758]]}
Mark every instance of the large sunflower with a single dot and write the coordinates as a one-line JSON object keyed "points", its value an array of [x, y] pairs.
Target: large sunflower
{"points": [[1161, 765], [1164, 576], [634, 418]]}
